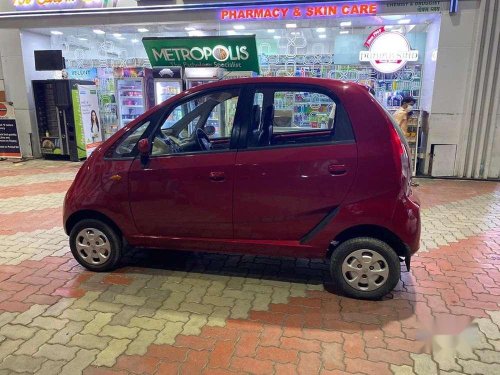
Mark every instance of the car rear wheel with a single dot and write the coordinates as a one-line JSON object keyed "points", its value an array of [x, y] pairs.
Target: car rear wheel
{"points": [[365, 268], [95, 245]]}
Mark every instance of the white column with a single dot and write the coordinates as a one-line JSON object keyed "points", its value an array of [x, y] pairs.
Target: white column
{"points": [[11, 56]]}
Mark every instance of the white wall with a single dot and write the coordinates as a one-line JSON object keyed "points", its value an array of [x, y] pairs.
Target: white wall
{"points": [[18, 67], [452, 76], [429, 69], [11, 56]]}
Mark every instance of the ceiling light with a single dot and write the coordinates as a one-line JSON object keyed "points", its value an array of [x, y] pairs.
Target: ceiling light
{"points": [[117, 35], [55, 32], [345, 24], [142, 30], [404, 22], [196, 33], [277, 37], [320, 29], [231, 32], [99, 32], [135, 40], [344, 32], [291, 25], [83, 39], [190, 28], [388, 27], [239, 27], [271, 31], [322, 36], [295, 33]]}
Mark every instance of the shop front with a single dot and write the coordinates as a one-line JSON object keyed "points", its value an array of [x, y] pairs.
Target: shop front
{"points": [[397, 49]]}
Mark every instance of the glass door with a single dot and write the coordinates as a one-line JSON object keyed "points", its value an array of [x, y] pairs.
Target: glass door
{"points": [[165, 89], [130, 100]]}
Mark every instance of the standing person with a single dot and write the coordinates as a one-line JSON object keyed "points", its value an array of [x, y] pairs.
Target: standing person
{"points": [[403, 113]]}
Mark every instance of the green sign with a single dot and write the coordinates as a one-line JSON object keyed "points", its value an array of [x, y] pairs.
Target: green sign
{"points": [[233, 53]]}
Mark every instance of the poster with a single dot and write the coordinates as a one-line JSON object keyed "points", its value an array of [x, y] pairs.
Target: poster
{"points": [[87, 119], [9, 140]]}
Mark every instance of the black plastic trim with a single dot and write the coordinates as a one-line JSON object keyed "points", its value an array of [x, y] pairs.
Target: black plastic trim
{"points": [[318, 227]]}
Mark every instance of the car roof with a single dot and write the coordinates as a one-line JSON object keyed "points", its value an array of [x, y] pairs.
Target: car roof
{"points": [[326, 82]]}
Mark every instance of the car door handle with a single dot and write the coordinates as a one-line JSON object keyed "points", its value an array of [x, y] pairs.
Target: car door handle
{"points": [[337, 169], [217, 176]]}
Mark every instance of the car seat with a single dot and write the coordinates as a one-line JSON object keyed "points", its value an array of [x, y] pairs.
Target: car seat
{"points": [[266, 134], [255, 125]]}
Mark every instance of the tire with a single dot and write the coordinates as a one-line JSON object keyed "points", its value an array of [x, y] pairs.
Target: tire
{"points": [[378, 273], [105, 246]]}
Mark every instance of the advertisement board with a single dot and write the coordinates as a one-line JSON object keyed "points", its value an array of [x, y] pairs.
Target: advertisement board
{"points": [[388, 51], [233, 53], [9, 140], [87, 120]]}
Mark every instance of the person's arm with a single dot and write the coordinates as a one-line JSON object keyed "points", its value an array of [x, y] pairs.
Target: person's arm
{"points": [[404, 125]]}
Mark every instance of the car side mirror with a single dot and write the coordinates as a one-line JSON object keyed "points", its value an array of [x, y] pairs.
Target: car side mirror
{"points": [[143, 147]]}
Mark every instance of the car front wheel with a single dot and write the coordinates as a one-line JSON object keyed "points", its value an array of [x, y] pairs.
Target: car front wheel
{"points": [[95, 245], [365, 268]]}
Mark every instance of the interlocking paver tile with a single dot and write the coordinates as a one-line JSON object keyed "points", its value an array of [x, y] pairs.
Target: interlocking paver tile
{"points": [[169, 312]]}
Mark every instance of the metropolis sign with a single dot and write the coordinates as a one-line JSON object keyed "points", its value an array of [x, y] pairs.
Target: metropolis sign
{"points": [[388, 51], [233, 53]]}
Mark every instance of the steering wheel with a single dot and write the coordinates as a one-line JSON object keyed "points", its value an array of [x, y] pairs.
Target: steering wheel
{"points": [[203, 140]]}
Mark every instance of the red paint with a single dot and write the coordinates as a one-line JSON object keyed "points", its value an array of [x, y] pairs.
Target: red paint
{"points": [[268, 199]]}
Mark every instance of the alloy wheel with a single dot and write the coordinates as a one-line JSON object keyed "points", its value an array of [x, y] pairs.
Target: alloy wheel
{"points": [[93, 246], [365, 270]]}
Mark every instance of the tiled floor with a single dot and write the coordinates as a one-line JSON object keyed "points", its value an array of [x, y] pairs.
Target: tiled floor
{"points": [[169, 312]]}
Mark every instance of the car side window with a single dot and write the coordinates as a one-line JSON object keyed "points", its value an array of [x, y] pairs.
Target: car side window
{"points": [[302, 110], [298, 116], [126, 146], [211, 115]]}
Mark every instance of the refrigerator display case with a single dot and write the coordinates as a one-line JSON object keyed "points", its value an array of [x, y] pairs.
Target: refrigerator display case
{"points": [[131, 99], [167, 82], [134, 93], [200, 76]]}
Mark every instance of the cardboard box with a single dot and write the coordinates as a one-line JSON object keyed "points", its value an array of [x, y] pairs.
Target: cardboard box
{"points": [[2, 96]]}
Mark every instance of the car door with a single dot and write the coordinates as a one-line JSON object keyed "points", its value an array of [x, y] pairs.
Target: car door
{"points": [[298, 165], [184, 191]]}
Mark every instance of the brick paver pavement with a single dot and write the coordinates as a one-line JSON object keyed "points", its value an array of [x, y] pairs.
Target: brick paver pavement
{"points": [[169, 312]]}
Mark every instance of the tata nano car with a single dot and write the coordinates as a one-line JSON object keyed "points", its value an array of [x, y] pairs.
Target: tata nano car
{"points": [[296, 167]]}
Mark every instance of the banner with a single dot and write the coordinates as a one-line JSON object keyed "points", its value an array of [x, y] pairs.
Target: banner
{"points": [[89, 74], [233, 53], [87, 119], [9, 140], [25, 5]]}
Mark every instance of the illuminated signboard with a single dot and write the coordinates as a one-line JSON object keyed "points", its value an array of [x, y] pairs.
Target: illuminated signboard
{"points": [[62, 4], [388, 51], [233, 53], [298, 12]]}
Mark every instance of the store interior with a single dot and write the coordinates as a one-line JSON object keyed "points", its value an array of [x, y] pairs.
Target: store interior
{"points": [[114, 58]]}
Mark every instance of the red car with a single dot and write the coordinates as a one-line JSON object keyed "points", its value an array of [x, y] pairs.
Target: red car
{"points": [[298, 167]]}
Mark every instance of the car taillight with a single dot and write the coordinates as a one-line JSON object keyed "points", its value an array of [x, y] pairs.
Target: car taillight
{"points": [[401, 156]]}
